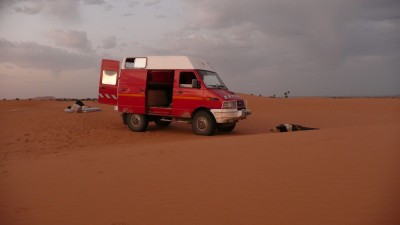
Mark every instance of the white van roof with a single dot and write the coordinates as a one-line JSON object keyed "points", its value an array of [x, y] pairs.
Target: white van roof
{"points": [[165, 63]]}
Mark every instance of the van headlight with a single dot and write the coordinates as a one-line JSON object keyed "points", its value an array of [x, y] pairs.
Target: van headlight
{"points": [[229, 105]]}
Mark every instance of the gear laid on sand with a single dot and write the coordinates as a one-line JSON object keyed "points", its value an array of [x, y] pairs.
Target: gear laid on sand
{"points": [[290, 127]]}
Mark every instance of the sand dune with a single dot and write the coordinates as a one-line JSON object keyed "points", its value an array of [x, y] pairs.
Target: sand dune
{"points": [[87, 168]]}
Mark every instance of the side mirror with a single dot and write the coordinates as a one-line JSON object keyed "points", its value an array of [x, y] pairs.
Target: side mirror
{"points": [[195, 83]]}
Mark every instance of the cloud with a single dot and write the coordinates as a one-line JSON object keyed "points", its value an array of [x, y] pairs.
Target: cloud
{"points": [[31, 9], [29, 69], [109, 42], [36, 56], [66, 10], [73, 39], [5, 4], [161, 16], [310, 47], [107, 7], [152, 2], [296, 43], [134, 4], [94, 2], [314, 24], [127, 14]]}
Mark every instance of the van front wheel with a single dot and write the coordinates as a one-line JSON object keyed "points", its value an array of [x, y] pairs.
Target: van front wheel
{"points": [[203, 123], [137, 122]]}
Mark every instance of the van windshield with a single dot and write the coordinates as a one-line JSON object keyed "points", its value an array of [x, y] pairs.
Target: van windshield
{"points": [[211, 79]]}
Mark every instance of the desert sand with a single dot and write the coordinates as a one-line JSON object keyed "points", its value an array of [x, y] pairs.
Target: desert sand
{"points": [[60, 168]]}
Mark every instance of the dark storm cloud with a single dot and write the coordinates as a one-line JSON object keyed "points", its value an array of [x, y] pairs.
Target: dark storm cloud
{"points": [[29, 10], [66, 10], [63, 9], [34, 55], [301, 44], [313, 25], [308, 47]]}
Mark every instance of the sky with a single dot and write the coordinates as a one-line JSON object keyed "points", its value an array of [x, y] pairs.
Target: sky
{"points": [[261, 47]]}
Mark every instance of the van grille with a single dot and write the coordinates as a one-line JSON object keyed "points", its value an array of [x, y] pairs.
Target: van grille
{"points": [[241, 105]]}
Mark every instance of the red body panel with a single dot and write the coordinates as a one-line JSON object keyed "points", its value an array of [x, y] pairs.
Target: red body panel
{"points": [[186, 100], [132, 91], [109, 82]]}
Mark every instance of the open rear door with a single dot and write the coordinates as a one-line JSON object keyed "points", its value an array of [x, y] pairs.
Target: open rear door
{"points": [[108, 86]]}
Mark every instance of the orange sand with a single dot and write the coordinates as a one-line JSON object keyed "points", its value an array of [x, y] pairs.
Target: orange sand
{"points": [[61, 168]]}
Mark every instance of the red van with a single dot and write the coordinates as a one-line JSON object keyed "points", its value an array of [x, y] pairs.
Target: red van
{"points": [[162, 89]]}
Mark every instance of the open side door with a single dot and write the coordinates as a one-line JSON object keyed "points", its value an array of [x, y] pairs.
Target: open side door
{"points": [[132, 91], [108, 87]]}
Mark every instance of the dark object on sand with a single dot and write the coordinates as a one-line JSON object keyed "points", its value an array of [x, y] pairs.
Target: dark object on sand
{"points": [[80, 103], [78, 106], [290, 127]]}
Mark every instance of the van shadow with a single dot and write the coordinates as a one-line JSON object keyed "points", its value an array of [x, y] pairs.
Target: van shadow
{"points": [[186, 129]]}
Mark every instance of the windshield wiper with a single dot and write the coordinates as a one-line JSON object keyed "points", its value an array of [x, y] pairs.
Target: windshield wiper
{"points": [[216, 86]]}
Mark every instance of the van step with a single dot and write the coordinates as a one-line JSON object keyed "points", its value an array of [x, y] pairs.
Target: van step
{"points": [[166, 119]]}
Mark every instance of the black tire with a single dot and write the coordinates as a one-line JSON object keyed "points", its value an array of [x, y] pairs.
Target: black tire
{"points": [[137, 122], [161, 123], [203, 123], [226, 127]]}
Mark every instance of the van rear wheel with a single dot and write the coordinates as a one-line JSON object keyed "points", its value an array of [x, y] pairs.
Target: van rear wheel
{"points": [[137, 122], [203, 123]]}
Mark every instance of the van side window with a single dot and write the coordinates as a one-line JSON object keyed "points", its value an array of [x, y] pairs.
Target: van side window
{"points": [[186, 79], [109, 77], [135, 63]]}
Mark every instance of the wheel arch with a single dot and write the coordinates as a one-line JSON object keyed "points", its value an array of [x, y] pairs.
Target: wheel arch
{"points": [[201, 109], [124, 118]]}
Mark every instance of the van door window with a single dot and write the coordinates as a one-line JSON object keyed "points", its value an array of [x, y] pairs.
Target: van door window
{"points": [[135, 63], [109, 77], [186, 80]]}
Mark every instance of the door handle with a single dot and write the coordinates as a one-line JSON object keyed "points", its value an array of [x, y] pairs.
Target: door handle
{"points": [[180, 92]]}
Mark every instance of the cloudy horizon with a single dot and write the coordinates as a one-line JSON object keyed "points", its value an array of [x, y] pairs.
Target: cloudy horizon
{"points": [[267, 47]]}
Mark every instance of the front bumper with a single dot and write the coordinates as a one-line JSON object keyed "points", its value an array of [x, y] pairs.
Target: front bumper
{"points": [[229, 115]]}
